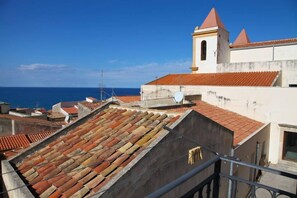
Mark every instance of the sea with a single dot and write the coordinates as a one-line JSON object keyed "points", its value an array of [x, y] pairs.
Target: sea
{"points": [[46, 97]]}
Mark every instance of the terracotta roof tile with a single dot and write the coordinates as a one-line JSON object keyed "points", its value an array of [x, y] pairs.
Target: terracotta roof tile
{"points": [[264, 43], [128, 99], [241, 126], [15, 141], [87, 157], [242, 38], [219, 79], [212, 20], [70, 110]]}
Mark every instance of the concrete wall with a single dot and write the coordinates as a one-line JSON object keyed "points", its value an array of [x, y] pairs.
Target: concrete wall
{"points": [[268, 53], [246, 152], [4, 108], [14, 127], [167, 160], [83, 110], [13, 183], [288, 68], [5, 127]]}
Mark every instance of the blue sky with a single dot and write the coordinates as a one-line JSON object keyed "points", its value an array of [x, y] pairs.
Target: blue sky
{"points": [[59, 43]]}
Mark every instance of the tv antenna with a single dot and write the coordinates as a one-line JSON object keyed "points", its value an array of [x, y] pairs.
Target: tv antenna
{"points": [[101, 86]]}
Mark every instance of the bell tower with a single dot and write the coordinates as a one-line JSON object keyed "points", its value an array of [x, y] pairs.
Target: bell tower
{"points": [[210, 44]]}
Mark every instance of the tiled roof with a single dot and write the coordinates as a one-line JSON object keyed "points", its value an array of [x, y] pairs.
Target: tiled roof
{"points": [[219, 79], [70, 110], [242, 38], [241, 126], [13, 141], [20, 140], [212, 20], [91, 105], [38, 136], [81, 162], [127, 99], [265, 43]]}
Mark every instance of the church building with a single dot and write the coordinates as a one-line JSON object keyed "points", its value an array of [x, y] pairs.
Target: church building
{"points": [[253, 79]]}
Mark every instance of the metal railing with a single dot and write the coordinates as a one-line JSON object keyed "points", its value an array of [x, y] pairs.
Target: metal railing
{"points": [[212, 182]]}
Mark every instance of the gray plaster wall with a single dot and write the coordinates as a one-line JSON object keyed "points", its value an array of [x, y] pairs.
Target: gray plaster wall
{"points": [[288, 68], [247, 152], [168, 159], [5, 127], [23, 127], [83, 110]]}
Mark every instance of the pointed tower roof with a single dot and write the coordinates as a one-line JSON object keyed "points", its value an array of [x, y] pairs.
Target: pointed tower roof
{"points": [[242, 38], [212, 20]]}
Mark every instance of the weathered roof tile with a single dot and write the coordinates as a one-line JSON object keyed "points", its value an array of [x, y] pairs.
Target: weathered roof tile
{"points": [[88, 156]]}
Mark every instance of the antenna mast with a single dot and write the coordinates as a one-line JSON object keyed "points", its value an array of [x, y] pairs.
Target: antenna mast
{"points": [[101, 86]]}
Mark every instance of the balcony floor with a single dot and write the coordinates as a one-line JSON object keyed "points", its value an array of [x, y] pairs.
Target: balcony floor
{"points": [[278, 181]]}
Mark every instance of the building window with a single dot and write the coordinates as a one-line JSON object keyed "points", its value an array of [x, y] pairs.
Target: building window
{"points": [[203, 50], [290, 146]]}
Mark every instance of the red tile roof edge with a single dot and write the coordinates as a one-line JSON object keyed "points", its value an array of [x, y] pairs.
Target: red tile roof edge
{"points": [[251, 135], [266, 43], [209, 111], [12, 142], [259, 78], [129, 98]]}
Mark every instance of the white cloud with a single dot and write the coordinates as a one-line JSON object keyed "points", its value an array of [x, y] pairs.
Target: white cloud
{"points": [[42, 67], [135, 75]]}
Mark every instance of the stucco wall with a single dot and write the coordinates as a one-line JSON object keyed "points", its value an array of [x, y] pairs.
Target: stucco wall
{"points": [[167, 160], [223, 48], [83, 110], [247, 152], [288, 68], [270, 53], [208, 65]]}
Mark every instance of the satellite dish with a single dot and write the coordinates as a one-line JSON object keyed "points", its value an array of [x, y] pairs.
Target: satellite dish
{"points": [[178, 96]]}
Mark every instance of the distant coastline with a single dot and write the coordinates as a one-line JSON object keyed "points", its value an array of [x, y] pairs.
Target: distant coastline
{"points": [[33, 97]]}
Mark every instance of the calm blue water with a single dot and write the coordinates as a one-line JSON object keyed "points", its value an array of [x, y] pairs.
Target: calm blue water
{"points": [[46, 97]]}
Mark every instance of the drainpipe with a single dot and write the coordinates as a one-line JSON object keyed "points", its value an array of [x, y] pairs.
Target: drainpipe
{"points": [[12, 127], [231, 174], [256, 159], [273, 53]]}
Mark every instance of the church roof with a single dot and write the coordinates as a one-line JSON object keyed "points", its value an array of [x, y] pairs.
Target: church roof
{"points": [[265, 43], [212, 20], [242, 38], [219, 79]]}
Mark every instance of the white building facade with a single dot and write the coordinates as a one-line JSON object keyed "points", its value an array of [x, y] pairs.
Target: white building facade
{"points": [[276, 104]]}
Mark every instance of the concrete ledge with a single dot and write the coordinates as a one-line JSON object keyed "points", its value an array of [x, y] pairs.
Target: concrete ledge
{"points": [[13, 183]]}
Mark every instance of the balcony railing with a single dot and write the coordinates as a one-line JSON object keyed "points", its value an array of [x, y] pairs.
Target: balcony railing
{"points": [[210, 187]]}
